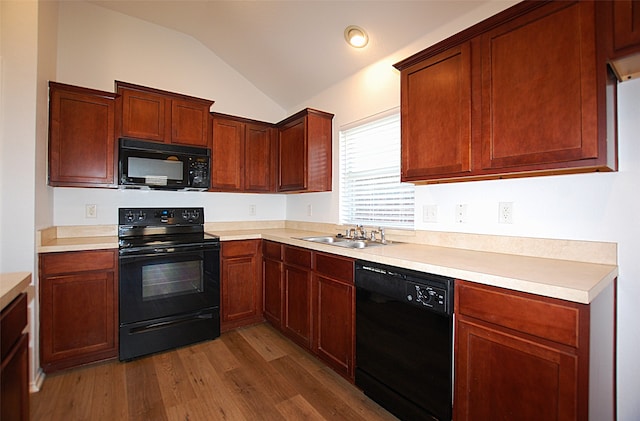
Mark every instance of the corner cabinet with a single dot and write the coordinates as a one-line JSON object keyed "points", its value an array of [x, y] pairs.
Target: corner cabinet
{"points": [[78, 308], [81, 136], [526, 92], [153, 114], [304, 152], [241, 284], [243, 155], [527, 357]]}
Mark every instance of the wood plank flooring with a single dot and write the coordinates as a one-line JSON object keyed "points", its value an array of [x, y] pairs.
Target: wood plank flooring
{"points": [[252, 373]]}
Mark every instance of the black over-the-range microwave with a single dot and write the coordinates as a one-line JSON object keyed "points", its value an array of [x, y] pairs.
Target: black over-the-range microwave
{"points": [[153, 165]]}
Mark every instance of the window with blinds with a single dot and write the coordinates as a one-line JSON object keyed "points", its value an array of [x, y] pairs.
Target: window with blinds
{"points": [[370, 189]]}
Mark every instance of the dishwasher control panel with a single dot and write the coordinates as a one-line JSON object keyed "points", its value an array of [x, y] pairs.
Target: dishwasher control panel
{"points": [[427, 295]]}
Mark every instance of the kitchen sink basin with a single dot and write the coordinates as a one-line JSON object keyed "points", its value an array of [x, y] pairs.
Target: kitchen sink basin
{"points": [[344, 242]]}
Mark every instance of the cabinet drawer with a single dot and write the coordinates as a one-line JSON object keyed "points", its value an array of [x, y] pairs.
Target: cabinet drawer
{"points": [[272, 250], [547, 318], [239, 248], [335, 267], [297, 256], [70, 262], [13, 320]]}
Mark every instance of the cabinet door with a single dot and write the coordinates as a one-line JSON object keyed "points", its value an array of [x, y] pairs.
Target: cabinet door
{"points": [[297, 304], [272, 272], [500, 375], [334, 324], [436, 115], [227, 155], [81, 137], [258, 158], [292, 148], [539, 89], [241, 284], [190, 123], [78, 319], [14, 382], [145, 115], [626, 24]]}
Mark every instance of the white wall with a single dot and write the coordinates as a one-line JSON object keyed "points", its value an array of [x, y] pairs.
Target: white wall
{"points": [[592, 207], [97, 46]]}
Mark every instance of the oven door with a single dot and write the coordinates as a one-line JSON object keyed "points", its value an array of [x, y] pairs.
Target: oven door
{"points": [[168, 281]]}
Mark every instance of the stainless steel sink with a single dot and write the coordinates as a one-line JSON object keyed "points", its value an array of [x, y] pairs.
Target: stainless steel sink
{"points": [[344, 242]]}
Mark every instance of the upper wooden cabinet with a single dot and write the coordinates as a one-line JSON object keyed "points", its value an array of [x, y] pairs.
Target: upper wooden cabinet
{"points": [[152, 114], [81, 136], [304, 152], [623, 16], [526, 92], [626, 25], [243, 155], [436, 104]]}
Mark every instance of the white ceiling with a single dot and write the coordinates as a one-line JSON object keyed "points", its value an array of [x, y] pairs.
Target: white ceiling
{"points": [[292, 50]]}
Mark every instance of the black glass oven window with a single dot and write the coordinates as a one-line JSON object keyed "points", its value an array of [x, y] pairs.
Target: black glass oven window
{"points": [[171, 279], [169, 169]]}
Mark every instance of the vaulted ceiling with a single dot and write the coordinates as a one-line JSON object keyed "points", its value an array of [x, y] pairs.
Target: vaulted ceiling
{"points": [[292, 50]]}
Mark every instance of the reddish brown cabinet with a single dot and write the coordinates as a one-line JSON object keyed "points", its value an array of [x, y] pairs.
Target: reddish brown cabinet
{"points": [[298, 301], [436, 104], [78, 308], [334, 312], [518, 353], [310, 297], [14, 376], [241, 284], [81, 136], [626, 26], [304, 152], [272, 278], [153, 114], [525, 92], [243, 155]]}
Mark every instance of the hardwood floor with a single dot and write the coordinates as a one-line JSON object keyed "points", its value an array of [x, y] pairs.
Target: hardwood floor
{"points": [[252, 373]]}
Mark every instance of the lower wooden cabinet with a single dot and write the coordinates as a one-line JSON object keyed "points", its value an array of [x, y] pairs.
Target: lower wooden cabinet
{"points": [[527, 357], [296, 321], [310, 297], [240, 289], [272, 282], [78, 308], [334, 312], [14, 376]]}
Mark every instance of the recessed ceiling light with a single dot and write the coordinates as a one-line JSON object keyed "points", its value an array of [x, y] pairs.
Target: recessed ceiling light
{"points": [[356, 36]]}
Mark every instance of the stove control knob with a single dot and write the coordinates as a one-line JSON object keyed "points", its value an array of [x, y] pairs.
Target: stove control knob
{"points": [[129, 216], [185, 215], [141, 216]]}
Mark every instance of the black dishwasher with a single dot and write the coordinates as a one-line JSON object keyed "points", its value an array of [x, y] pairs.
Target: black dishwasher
{"points": [[404, 340]]}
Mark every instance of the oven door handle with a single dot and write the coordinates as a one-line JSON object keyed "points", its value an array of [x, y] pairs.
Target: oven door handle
{"points": [[167, 323], [163, 251]]}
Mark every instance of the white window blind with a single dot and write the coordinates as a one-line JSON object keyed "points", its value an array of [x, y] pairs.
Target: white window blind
{"points": [[370, 189]]}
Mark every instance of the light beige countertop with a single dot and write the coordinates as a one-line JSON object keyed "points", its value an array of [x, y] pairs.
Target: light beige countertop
{"points": [[11, 285], [516, 263]]}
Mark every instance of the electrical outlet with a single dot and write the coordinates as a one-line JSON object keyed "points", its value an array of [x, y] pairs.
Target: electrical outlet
{"points": [[461, 214], [252, 210], [430, 213], [90, 211], [309, 210], [505, 212]]}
